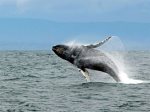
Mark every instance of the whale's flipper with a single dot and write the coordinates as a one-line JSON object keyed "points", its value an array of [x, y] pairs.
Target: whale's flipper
{"points": [[85, 73], [98, 44]]}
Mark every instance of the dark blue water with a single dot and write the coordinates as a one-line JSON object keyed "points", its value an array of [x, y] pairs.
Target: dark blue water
{"points": [[40, 81]]}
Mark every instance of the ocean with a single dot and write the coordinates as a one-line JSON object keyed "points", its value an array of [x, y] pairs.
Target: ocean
{"points": [[39, 81]]}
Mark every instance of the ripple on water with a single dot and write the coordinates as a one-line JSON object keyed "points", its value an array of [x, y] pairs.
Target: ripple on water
{"points": [[49, 84]]}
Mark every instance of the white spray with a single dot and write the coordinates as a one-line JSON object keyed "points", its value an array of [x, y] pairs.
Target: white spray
{"points": [[117, 56]]}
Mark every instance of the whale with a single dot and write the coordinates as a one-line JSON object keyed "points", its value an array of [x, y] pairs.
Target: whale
{"points": [[86, 57]]}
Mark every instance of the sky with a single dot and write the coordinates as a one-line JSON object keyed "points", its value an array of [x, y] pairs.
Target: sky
{"points": [[40, 24]]}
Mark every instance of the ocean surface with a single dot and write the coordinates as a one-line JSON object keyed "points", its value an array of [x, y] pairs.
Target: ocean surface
{"points": [[39, 81]]}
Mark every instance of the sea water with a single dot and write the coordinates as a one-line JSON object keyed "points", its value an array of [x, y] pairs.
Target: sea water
{"points": [[40, 81]]}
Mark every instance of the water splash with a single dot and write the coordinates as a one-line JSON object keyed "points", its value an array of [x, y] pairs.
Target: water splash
{"points": [[126, 80], [117, 56], [74, 43]]}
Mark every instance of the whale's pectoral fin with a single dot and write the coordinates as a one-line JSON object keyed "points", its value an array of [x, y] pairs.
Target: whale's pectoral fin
{"points": [[85, 73], [98, 44]]}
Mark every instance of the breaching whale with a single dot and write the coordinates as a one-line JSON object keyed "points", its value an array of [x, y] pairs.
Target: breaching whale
{"points": [[87, 57]]}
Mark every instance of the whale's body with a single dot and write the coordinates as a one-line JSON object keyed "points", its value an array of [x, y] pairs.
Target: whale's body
{"points": [[86, 57]]}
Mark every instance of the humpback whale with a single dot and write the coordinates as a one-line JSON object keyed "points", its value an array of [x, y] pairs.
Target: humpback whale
{"points": [[87, 57]]}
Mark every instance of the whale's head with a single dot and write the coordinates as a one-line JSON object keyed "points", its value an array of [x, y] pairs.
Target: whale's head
{"points": [[63, 51]]}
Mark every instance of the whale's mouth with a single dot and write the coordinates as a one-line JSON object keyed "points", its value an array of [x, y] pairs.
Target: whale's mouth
{"points": [[58, 49]]}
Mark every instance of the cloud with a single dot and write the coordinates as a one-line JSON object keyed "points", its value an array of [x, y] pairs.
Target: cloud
{"points": [[78, 10]]}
